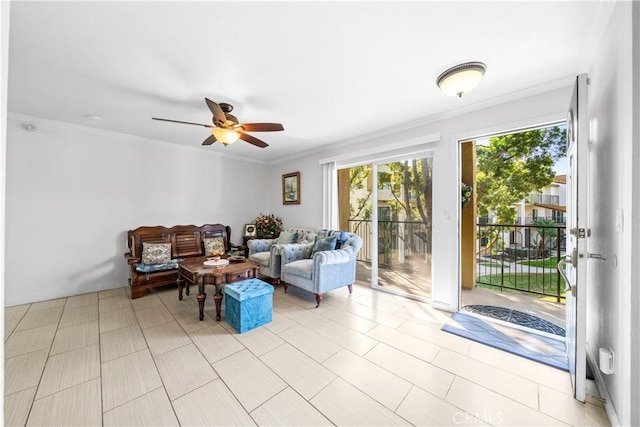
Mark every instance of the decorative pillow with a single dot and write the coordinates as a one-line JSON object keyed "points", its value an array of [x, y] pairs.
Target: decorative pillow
{"points": [[324, 244], [341, 235], [213, 246], [156, 253], [171, 265], [287, 237]]}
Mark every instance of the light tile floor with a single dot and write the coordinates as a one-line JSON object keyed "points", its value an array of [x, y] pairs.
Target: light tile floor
{"points": [[368, 358]]}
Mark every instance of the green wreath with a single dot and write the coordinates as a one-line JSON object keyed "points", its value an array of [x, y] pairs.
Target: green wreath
{"points": [[467, 190]]}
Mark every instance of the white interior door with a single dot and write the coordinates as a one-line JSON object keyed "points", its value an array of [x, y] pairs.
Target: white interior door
{"points": [[577, 233]]}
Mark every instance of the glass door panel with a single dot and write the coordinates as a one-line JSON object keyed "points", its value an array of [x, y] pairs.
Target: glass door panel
{"points": [[389, 205], [355, 194], [403, 208]]}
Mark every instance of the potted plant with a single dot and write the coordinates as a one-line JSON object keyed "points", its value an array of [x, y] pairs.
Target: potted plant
{"points": [[268, 226]]}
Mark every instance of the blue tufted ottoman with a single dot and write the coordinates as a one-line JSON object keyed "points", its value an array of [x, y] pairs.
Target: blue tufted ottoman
{"points": [[248, 304]]}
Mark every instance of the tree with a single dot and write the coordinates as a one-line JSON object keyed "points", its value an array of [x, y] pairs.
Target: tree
{"points": [[547, 232], [358, 176], [513, 166], [410, 183]]}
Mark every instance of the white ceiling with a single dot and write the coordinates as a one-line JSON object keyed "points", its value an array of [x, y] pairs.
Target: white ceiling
{"points": [[328, 71]]}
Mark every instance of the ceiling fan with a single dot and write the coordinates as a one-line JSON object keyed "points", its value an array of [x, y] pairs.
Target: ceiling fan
{"points": [[226, 127]]}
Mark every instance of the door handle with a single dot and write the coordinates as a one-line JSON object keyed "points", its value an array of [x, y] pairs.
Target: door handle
{"points": [[568, 286]]}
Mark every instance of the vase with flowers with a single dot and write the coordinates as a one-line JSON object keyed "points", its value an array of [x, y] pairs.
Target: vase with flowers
{"points": [[268, 226]]}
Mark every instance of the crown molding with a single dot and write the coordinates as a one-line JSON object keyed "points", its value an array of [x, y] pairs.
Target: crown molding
{"points": [[40, 122], [493, 102]]}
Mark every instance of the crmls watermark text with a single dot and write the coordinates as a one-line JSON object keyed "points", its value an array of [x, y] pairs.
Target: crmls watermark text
{"points": [[489, 417]]}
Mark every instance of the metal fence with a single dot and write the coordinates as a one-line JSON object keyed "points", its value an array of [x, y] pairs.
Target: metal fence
{"points": [[521, 257], [398, 241], [516, 257], [528, 220], [543, 198]]}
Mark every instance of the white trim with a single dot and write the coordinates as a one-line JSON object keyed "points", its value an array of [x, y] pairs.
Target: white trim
{"points": [[614, 419], [495, 130], [387, 158], [514, 127], [369, 153], [329, 196], [566, 82]]}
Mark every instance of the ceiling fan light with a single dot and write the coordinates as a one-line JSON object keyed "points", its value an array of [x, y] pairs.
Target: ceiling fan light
{"points": [[226, 136], [458, 80]]}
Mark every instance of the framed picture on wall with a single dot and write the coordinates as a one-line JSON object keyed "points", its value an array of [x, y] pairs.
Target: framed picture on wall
{"points": [[291, 188], [249, 230]]}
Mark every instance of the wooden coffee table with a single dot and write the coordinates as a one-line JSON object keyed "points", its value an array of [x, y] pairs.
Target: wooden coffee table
{"points": [[193, 271]]}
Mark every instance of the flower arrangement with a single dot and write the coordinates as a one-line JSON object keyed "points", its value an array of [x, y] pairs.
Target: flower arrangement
{"points": [[268, 224], [467, 190]]}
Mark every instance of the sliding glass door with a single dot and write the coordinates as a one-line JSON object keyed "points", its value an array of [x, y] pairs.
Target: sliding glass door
{"points": [[389, 204]]}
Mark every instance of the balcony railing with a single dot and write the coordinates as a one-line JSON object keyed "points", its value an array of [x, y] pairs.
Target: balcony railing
{"points": [[545, 199], [397, 240], [521, 258], [509, 257], [528, 220]]}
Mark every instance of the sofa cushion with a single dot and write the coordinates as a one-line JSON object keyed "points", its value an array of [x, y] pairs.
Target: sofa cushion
{"points": [[150, 268], [262, 258], [324, 244], [302, 268], [156, 253], [213, 246], [287, 237], [307, 237]]}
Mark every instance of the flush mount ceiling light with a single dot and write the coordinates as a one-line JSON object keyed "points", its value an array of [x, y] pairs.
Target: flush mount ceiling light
{"points": [[458, 80]]}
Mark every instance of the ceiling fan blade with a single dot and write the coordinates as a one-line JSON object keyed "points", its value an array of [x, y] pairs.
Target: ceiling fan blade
{"points": [[219, 119], [209, 140], [184, 123], [252, 140], [261, 127]]}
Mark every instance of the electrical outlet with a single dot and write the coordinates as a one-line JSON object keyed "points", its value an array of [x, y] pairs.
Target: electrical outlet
{"points": [[606, 361]]}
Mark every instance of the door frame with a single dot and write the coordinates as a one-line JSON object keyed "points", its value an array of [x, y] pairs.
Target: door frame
{"points": [[374, 161], [461, 138]]}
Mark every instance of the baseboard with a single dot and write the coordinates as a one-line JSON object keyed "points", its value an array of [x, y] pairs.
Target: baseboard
{"points": [[444, 306], [614, 420]]}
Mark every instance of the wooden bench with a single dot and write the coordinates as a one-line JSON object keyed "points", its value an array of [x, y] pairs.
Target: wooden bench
{"points": [[186, 242]]}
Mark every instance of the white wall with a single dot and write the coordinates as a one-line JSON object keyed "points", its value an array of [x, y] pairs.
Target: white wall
{"points": [[5, 10], [611, 117], [634, 218], [308, 213], [534, 110], [73, 192]]}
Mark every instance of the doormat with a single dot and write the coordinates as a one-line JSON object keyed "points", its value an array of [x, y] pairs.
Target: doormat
{"points": [[539, 348], [516, 317]]}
